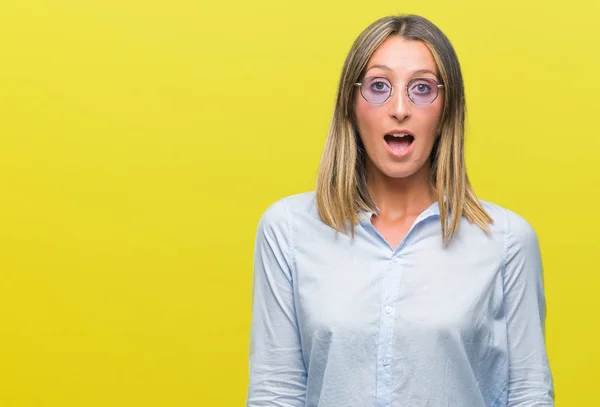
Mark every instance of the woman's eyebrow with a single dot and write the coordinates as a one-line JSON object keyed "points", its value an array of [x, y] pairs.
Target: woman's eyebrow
{"points": [[420, 71], [384, 67], [387, 68]]}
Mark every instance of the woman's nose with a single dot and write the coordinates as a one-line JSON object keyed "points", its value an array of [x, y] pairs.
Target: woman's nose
{"points": [[399, 106]]}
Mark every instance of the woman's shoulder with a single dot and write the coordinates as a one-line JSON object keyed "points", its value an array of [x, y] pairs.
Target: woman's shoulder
{"points": [[514, 225], [287, 207]]}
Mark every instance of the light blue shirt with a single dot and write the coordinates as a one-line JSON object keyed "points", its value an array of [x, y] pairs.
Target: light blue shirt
{"points": [[338, 322]]}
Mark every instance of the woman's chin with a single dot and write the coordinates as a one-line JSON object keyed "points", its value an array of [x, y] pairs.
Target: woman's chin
{"points": [[388, 169], [402, 171]]}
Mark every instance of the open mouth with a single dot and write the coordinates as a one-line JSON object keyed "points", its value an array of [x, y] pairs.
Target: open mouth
{"points": [[399, 142]]}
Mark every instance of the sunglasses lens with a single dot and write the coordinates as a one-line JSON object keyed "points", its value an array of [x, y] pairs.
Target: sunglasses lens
{"points": [[422, 91], [375, 89]]}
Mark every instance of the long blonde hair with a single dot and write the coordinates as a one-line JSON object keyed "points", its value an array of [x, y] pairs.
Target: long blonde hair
{"points": [[341, 190]]}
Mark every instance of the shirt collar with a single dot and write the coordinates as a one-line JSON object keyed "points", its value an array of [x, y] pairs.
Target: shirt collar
{"points": [[432, 210]]}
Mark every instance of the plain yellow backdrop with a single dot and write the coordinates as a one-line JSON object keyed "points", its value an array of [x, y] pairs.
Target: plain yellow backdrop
{"points": [[140, 141]]}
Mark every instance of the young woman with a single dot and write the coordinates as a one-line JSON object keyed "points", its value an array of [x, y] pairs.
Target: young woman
{"points": [[392, 284]]}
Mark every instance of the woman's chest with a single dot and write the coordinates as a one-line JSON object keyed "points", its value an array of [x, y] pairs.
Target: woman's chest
{"points": [[353, 290]]}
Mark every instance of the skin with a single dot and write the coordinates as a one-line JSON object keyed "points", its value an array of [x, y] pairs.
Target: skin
{"points": [[399, 186]]}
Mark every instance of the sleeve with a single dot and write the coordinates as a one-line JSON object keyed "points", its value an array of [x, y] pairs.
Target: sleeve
{"points": [[277, 371], [530, 379]]}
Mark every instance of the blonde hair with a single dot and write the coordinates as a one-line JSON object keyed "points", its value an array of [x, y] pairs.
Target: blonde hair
{"points": [[341, 190]]}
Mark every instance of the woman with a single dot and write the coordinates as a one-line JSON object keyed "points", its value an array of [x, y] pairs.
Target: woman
{"points": [[392, 284]]}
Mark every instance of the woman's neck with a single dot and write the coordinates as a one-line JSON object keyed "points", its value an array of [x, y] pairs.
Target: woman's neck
{"points": [[399, 198]]}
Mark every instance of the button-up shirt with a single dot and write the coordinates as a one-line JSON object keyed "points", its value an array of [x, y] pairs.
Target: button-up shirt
{"points": [[353, 322]]}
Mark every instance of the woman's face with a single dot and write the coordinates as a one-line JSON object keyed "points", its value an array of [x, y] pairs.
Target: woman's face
{"points": [[398, 135]]}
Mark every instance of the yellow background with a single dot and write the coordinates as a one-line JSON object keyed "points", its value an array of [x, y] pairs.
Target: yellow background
{"points": [[140, 141]]}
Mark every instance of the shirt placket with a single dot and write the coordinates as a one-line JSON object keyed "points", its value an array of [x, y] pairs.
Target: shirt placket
{"points": [[385, 359]]}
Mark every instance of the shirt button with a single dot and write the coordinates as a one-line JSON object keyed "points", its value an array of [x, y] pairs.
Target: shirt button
{"points": [[385, 361], [395, 259], [388, 309]]}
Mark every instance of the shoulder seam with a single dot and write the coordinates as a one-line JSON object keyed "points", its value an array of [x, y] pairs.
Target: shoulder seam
{"points": [[503, 276], [506, 239], [290, 231]]}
